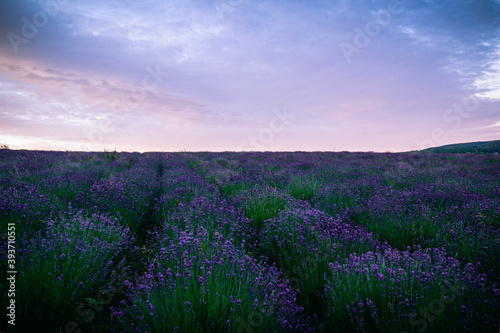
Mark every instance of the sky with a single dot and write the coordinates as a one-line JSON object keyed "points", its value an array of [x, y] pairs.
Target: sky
{"points": [[248, 75]]}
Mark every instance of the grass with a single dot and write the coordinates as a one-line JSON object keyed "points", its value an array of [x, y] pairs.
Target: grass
{"points": [[201, 295], [263, 204], [66, 264], [303, 186], [266, 226]]}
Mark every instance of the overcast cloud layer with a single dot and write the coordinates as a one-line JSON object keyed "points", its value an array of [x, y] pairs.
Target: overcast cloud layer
{"points": [[248, 75]]}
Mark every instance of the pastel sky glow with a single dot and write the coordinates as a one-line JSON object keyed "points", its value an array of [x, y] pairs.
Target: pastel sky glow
{"points": [[231, 75]]}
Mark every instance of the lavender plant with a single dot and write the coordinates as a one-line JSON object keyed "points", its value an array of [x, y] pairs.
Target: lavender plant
{"points": [[303, 240], [391, 291], [303, 186], [198, 284], [65, 264], [234, 228]]}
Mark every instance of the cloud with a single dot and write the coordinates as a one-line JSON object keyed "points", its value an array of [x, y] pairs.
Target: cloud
{"points": [[225, 64]]}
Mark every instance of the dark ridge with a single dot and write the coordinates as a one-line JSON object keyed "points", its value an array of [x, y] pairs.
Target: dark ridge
{"points": [[483, 147]]}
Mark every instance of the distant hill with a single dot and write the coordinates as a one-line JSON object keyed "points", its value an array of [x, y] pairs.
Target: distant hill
{"points": [[486, 147]]}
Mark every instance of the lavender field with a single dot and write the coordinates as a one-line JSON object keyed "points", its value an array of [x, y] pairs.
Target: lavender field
{"points": [[252, 242]]}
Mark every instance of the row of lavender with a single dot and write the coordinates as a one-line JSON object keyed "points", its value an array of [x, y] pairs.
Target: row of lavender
{"points": [[255, 242]]}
